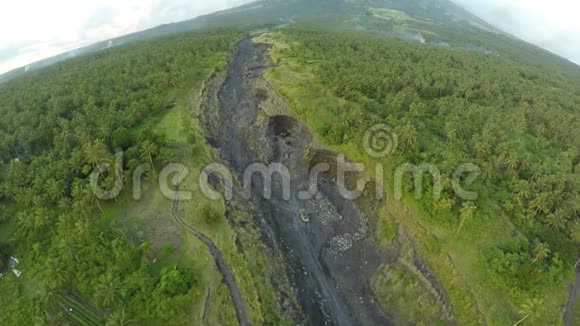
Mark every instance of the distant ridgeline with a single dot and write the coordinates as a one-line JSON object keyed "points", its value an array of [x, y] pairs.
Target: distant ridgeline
{"points": [[438, 21]]}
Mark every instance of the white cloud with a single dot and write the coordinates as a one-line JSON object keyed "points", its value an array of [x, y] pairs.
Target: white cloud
{"points": [[33, 30], [553, 25], [52, 27]]}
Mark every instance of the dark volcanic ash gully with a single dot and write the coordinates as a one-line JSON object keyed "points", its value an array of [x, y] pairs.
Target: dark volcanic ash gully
{"points": [[328, 255]]}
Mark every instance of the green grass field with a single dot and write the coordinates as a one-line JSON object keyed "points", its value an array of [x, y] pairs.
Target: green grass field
{"points": [[396, 16]]}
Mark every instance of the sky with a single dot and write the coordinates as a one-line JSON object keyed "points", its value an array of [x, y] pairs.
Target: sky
{"points": [[34, 29], [31, 30], [551, 24]]}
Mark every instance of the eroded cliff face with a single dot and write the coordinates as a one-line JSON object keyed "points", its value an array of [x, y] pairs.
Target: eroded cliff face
{"points": [[325, 242]]}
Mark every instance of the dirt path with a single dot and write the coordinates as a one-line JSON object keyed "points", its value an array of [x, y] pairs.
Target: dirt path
{"points": [[205, 308], [222, 266], [574, 292]]}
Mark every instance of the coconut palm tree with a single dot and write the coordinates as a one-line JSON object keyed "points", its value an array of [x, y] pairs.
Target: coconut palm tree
{"points": [[50, 296], [54, 189], [511, 161], [408, 135], [54, 273], [575, 231], [530, 310], [573, 204], [119, 318], [558, 220], [149, 150], [467, 211], [83, 193], [107, 289], [542, 251], [95, 153], [481, 148], [540, 203], [41, 218], [522, 189], [450, 132], [81, 230]]}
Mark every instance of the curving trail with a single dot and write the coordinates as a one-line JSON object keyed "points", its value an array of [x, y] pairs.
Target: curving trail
{"points": [[222, 266], [574, 293]]}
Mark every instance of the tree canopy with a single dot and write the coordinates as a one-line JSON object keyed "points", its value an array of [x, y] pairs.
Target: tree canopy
{"points": [[58, 125]]}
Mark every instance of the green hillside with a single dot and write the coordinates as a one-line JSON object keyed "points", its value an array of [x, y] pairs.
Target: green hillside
{"points": [[450, 108]]}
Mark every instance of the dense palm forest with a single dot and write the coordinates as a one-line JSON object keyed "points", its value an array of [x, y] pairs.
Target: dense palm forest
{"points": [[56, 126], [518, 123]]}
